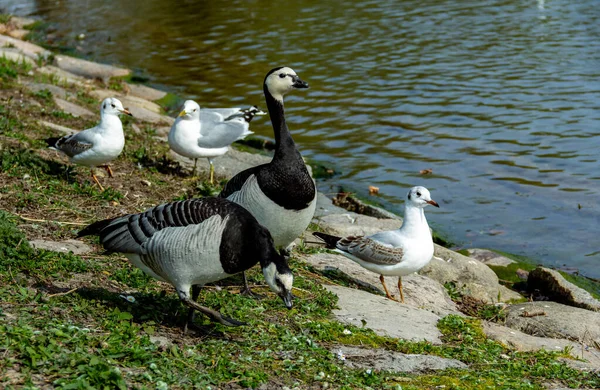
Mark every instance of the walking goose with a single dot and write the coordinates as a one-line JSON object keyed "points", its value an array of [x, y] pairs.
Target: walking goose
{"points": [[280, 194], [194, 242], [208, 133], [395, 252], [97, 146]]}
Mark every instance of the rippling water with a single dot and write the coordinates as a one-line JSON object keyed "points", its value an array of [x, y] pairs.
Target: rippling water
{"points": [[499, 98]]}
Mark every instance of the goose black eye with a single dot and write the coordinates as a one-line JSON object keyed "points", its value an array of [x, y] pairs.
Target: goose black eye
{"points": [[418, 193], [112, 105], [282, 75]]}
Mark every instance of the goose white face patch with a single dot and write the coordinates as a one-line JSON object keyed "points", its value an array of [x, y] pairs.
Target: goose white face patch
{"points": [[269, 272], [279, 83]]}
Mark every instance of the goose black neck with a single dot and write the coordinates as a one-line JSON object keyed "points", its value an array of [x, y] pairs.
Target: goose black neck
{"points": [[283, 138]]}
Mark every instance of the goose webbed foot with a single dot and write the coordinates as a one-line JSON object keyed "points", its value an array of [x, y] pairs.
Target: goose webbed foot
{"points": [[214, 315], [246, 291]]}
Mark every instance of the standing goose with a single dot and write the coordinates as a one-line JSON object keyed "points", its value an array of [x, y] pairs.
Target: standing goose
{"points": [[280, 194], [194, 242], [395, 252], [208, 133], [97, 146]]}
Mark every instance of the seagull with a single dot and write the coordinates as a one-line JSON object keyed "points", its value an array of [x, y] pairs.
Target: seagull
{"points": [[97, 146], [395, 252], [209, 132], [193, 242], [280, 194]]}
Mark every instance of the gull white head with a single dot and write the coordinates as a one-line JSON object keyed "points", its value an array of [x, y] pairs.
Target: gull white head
{"points": [[419, 197], [280, 81], [113, 106], [279, 277], [190, 111]]}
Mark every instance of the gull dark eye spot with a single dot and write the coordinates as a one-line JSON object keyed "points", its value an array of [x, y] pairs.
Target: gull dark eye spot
{"points": [[282, 75], [418, 193], [113, 105]]}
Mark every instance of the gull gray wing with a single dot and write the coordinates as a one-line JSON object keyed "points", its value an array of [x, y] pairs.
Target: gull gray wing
{"points": [[74, 144], [223, 112], [219, 135], [370, 251]]}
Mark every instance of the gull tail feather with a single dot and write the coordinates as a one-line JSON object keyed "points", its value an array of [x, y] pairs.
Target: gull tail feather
{"points": [[330, 241]]}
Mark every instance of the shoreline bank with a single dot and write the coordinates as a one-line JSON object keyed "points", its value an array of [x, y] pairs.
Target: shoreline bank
{"points": [[51, 93]]}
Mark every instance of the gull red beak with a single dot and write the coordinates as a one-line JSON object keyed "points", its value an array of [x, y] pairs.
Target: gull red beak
{"points": [[126, 112], [433, 203]]}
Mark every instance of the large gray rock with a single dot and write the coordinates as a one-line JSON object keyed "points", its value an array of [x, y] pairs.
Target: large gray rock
{"points": [[350, 223], [470, 276], [17, 56], [29, 49], [77, 247], [520, 341], [145, 115], [55, 90], [551, 319], [145, 92], [73, 109], [553, 285], [384, 360], [385, 317], [419, 291], [488, 257], [89, 69]]}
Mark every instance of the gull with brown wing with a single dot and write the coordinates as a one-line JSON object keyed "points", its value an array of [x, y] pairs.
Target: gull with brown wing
{"points": [[395, 252]]}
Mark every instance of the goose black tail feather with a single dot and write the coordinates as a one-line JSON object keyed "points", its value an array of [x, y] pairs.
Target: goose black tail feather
{"points": [[95, 228], [52, 141], [330, 240]]}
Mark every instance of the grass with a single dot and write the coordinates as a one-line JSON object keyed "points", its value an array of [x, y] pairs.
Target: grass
{"points": [[66, 322]]}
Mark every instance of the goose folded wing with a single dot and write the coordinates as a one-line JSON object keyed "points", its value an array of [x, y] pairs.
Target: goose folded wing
{"points": [[371, 251], [130, 233]]}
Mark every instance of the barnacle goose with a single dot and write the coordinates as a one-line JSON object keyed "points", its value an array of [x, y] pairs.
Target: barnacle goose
{"points": [[280, 194], [194, 242]]}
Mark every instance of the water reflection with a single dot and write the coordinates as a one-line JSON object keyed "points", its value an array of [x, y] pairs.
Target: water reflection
{"points": [[498, 98]]}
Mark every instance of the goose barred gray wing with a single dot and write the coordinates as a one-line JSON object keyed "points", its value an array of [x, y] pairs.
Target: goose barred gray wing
{"points": [[129, 233], [370, 251]]}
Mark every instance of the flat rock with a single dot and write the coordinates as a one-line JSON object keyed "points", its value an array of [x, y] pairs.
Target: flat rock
{"points": [[18, 33], [508, 295], [17, 56], [54, 126], [228, 165], [555, 320], [145, 92], [55, 90], [384, 360], [21, 22], [419, 291], [145, 115], [471, 276], [350, 223], [29, 49], [385, 317], [553, 285], [326, 207], [520, 341], [488, 257], [89, 69], [72, 108], [77, 247], [63, 76]]}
